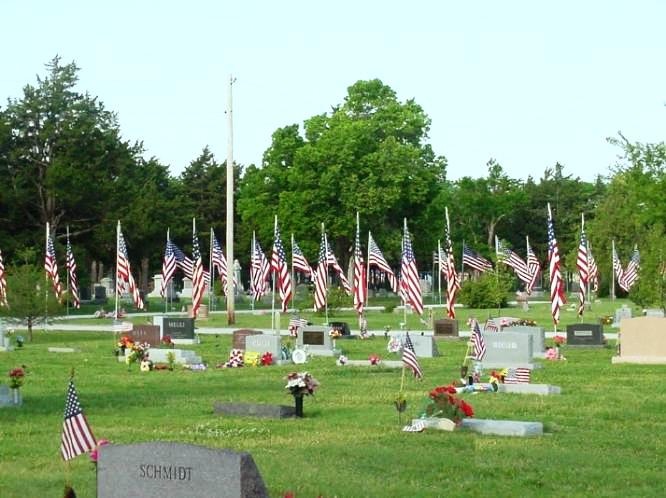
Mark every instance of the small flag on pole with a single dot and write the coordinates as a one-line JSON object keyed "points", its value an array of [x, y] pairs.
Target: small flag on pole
{"points": [[478, 344], [77, 437], [409, 358]]}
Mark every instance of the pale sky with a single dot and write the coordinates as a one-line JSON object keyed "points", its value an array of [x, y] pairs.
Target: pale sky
{"points": [[528, 83]]}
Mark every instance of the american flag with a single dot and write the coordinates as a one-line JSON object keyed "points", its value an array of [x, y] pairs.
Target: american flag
{"points": [[410, 285], [533, 268], [3, 283], [77, 437], [198, 278], [441, 261], [281, 268], [376, 258], [593, 268], [219, 263], [491, 326], [51, 266], [168, 265], [583, 265], [360, 276], [260, 270], [511, 259], [452, 282], [478, 344], [124, 272], [298, 260], [630, 274], [475, 260], [518, 375], [321, 275], [333, 262], [617, 266], [409, 358], [71, 272], [295, 324], [556, 283]]}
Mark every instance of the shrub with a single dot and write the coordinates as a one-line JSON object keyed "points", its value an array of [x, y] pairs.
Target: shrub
{"points": [[490, 290]]}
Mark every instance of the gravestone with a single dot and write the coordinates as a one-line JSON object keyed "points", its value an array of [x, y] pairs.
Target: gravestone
{"points": [[342, 327], [107, 283], [317, 340], [157, 285], [445, 328], [5, 344], [642, 340], [100, 294], [265, 343], [656, 312], [503, 427], [538, 337], [254, 410], [621, 314], [424, 345], [84, 293], [585, 334], [181, 330], [539, 389], [508, 350], [175, 470], [187, 288], [146, 333], [239, 337]]}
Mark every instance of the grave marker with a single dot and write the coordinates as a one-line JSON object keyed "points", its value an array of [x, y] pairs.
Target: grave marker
{"points": [[445, 328], [621, 314], [175, 470], [265, 343], [538, 337], [508, 350], [585, 334], [317, 340], [424, 345], [240, 337], [146, 333], [642, 340], [181, 330]]}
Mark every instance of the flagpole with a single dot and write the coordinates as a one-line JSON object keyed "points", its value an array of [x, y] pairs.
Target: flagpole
{"points": [[69, 289], [404, 293], [367, 276], [253, 290], [46, 287], [326, 275], [497, 269], [170, 291], [211, 271], [231, 294], [613, 256], [117, 252], [273, 274], [293, 273], [439, 273]]}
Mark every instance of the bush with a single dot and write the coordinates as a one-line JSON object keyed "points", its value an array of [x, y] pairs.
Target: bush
{"points": [[490, 290]]}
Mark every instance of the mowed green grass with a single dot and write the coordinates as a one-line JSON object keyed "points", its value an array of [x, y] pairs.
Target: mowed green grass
{"points": [[604, 434]]}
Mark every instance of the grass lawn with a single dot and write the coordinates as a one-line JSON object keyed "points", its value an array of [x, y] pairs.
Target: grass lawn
{"points": [[604, 433]]}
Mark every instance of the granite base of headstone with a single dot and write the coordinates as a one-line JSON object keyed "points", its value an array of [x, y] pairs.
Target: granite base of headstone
{"points": [[181, 356], [585, 334], [539, 389], [642, 341], [508, 350], [503, 427], [175, 470], [382, 363], [254, 410], [446, 328], [266, 343], [317, 340]]}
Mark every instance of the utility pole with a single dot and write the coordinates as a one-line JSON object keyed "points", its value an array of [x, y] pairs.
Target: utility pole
{"points": [[231, 294]]}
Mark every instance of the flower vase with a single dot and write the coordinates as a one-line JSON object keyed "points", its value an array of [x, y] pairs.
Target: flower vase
{"points": [[333, 343], [16, 396], [298, 400], [557, 350]]}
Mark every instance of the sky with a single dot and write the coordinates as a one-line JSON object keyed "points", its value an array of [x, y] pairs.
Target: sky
{"points": [[526, 83]]}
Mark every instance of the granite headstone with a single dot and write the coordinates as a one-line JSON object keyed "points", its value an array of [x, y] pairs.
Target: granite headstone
{"points": [[264, 343], [508, 350], [178, 328], [424, 345], [175, 470], [240, 336], [146, 333], [317, 340], [585, 334], [621, 314], [538, 337], [642, 340]]}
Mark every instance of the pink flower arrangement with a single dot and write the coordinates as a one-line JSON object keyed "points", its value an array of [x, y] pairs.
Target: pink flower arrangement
{"points": [[94, 454], [374, 359]]}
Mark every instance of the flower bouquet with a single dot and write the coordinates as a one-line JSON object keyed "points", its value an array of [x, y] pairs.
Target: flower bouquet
{"points": [[301, 384], [167, 342], [266, 359], [374, 359], [444, 403], [16, 377]]}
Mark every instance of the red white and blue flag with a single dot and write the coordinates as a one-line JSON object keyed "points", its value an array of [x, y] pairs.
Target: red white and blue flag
{"points": [[168, 265], [3, 283], [51, 265], [124, 278], [520, 375], [409, 359], [321, 275], [376, 258], [71, 273], [478, 343], [360, 284], [511, 259], [298, 261], [557, 298], [77, 437], [452, 281], [582, 263], [533, 269], [281, 268], [474, 260], [630, 274], [259, 272], [410, 285], [333, 263], [198, 277]]}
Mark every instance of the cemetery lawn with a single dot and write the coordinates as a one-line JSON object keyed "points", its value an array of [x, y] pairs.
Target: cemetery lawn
{"points": [[604, 434]]}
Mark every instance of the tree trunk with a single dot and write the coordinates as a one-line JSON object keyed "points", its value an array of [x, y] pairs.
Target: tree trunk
{"points": [[30, 329]]}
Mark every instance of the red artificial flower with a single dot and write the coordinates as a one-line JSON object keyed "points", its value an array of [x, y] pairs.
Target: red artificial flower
{"points": [[374, 359], [267, 359], [466, 408], [559, 340], [17, 373]]}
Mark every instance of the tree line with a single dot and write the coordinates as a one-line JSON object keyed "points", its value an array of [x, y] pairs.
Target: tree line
{"points": [[63, 160]]}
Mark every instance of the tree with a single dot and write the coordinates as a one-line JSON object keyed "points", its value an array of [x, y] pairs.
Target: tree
{"points": [[29, 296]]}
